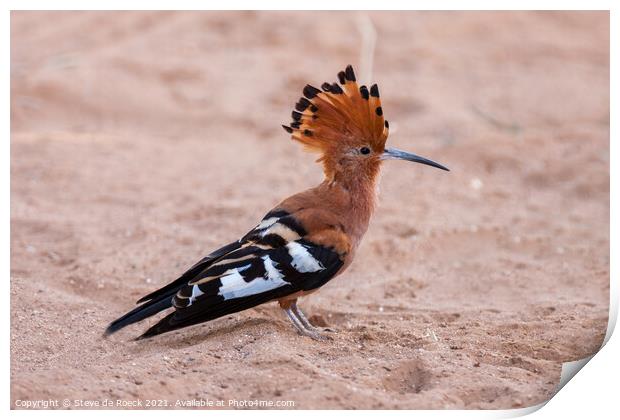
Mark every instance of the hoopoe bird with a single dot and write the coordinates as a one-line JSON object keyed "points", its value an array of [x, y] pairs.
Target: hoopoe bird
{"points": [[307, 239]]}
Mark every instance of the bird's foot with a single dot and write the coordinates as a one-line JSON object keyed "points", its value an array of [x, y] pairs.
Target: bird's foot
{"points": [[304, 320], [315, 335], [303, 326]]}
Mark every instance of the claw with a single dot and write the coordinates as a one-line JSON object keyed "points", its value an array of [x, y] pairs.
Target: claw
{"points": [[303, 326], [319, 337]]}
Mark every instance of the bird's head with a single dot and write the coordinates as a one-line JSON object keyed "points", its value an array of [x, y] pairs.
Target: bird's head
{"points": [[345, 124]]}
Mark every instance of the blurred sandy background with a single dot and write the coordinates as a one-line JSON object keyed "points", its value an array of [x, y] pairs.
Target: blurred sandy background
{"points": [[142, 141]]}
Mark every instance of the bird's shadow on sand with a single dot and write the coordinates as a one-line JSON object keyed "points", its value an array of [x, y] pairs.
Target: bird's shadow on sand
{"points": [[202, 333]]}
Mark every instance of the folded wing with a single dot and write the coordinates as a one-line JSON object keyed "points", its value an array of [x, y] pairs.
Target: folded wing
{"points": [[276, 259]]}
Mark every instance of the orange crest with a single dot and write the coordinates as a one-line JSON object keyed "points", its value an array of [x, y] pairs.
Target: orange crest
{"points": [[341, 115]]}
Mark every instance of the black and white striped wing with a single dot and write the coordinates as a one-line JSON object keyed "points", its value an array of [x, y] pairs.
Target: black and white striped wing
{"points": [[273, 261]]}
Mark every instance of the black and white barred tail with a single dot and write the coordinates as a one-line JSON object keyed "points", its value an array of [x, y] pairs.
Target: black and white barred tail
{"points": [[271, 262]]}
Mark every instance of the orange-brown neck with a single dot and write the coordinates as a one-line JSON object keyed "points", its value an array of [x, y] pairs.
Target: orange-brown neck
{"points": [[356, 188], [344, 201]]}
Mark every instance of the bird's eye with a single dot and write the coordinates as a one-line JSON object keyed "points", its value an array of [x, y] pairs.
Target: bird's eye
{"points": [[364, 150]]}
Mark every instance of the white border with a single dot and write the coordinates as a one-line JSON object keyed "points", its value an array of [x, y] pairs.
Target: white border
{"points": [[595, 390]]}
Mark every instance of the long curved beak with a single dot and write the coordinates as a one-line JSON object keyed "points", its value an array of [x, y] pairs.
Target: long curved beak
{"points": [[399, 154]]}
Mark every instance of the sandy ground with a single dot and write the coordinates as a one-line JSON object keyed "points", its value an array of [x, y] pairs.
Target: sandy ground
{"points": [[142, 141]]}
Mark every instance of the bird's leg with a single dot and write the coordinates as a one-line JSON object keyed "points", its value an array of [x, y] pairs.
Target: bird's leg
{"points": [[296, 322], [305, 320], [304, 328], [302, 317]]}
